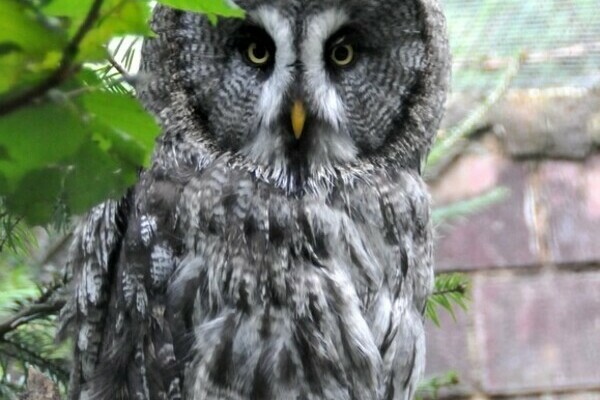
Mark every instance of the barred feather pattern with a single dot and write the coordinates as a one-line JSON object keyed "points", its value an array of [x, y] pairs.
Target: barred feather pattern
{"points": [[229, 286]]}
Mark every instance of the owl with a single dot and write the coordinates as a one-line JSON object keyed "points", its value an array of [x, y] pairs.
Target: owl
{"points": [[279, 246]]}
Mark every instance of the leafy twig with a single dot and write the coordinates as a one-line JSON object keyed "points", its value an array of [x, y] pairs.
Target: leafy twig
{"points": [[64, 71], [126, 76], [450, 290], [34, 358], [430, 388]]}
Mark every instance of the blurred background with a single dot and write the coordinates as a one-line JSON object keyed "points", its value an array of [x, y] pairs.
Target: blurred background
{"points": [[525, 115]]}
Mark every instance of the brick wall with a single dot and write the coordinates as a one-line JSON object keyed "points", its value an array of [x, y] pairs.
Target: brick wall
{"points": [[533, 328]]}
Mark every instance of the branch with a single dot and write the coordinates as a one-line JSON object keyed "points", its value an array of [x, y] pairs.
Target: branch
{"points": [[33, 312], [460, 289], [34, 358], [118, 67], [40, 308], [64, 71]]}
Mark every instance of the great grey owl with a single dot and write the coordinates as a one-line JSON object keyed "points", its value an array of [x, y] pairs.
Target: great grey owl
{"points": [[279, 246]]}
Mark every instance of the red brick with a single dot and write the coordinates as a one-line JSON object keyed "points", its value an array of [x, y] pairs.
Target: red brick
{"points": [[502, 235], [571, 194], [471, 175], [538, 333]]}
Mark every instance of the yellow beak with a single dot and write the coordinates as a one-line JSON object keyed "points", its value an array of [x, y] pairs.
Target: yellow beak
{"points": [[298, 118]]}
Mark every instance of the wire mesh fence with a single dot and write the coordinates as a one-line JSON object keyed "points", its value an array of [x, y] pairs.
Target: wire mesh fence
{"points": [[559, 41]]}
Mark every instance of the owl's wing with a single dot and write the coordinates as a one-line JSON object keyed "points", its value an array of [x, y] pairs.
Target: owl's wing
{"points": [[122, 258], [92, 256], [407, 228]]}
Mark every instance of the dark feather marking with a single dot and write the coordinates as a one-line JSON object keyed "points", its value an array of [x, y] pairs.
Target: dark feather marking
{"points": [[221, 369], [307, 357], [389, 337], [403, 261], [285, 365], [261, 384], [411, 364]]}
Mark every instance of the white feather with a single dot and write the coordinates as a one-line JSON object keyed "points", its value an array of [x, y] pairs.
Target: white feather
{"points": [[275, 88], [325, 98]]}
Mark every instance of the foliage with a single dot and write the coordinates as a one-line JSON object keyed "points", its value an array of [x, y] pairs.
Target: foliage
{"points": [[212, 8], [430, 388], [71, 135], [450, 290], [66, 141], [27, 315], [27, 338]]}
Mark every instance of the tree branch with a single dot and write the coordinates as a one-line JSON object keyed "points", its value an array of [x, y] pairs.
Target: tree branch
{"points": [[460, 289], [19, 349], [64, 71], [33, 312]]}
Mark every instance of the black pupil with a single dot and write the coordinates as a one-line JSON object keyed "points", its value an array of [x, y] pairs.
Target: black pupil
{"points": [[260, 51], [341, 53]]}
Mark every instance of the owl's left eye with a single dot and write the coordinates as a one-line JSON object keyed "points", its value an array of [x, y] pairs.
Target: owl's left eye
{"points": [[256, 47], [258, 54]]}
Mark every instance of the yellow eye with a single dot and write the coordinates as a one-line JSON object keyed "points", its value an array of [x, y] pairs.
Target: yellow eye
{"points": [[342, 55], [258, 54]]}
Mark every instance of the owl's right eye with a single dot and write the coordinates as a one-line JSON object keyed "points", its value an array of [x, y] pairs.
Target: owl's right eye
{"points": [[258, 54]]}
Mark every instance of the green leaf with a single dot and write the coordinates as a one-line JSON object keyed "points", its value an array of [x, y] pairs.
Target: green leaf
{"points": [[60, 154], [11, 68], [20, 26], [26, 45], [431, 313], [123, 125], [36, 195], [212, 8], [76, 9], [36, 137], [95, 176], [117, 18], [444, 301]]}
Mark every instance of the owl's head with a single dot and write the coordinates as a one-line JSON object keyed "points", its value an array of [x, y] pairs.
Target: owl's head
{"points": [[302, 88]]}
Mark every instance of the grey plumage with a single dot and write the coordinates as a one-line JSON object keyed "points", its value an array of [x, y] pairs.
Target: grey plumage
{"points": [[246, 263]]}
